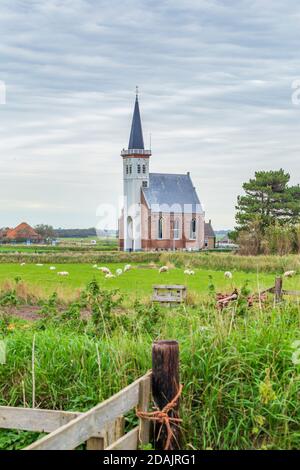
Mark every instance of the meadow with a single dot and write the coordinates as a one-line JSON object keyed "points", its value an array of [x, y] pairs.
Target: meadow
{"points": [[241, 383], [137, 282]]}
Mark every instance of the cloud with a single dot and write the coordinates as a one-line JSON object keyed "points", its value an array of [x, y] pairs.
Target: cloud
{"points": [[215, 80]]}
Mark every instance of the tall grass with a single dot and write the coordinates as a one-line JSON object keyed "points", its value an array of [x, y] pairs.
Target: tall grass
{"points": [[206, 260], [241, 387]]}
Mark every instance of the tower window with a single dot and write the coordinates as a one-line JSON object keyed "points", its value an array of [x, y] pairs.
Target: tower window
{"points": [[145, 184], [126, 169], [160, 228], [139, 168], [130, 169], [193, 229], [144, 169]]}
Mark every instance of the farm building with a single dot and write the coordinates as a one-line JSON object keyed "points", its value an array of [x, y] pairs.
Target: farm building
{"points": [[209, 236], [161, 210], [23, 232]]}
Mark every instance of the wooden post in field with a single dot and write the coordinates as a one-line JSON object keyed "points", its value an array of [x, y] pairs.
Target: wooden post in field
{"points": [[165, 386], [278, 289]]}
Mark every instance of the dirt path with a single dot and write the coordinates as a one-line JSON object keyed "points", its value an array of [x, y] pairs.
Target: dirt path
{"points": [[32, 312], [26, 312]]}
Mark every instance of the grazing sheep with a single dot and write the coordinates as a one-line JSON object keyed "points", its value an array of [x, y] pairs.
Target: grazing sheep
{"points": [[22, 264], [289, 273], [163, 269], [104, 270], [52, 268], [189, 272], [95, 266], [109, 276], [228, 274], [39, 264], [63, 273], [119, 272], [127, 268]]}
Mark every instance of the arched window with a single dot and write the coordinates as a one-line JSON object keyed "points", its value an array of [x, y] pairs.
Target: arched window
{"points": [[144, 169], [130, 169], [176, 229], [126, 169], [160, 227], [193, 229], [139, 168]]}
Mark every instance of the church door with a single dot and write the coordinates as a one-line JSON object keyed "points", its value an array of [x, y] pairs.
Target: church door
{"points": [[129, 234]]}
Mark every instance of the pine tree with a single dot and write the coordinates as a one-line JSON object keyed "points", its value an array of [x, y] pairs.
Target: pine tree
{"points": [[268, 199]]}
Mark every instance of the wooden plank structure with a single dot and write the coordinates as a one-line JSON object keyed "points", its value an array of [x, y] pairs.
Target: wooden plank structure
{"points": [[169, 294], [277, 290], [102, 427]]}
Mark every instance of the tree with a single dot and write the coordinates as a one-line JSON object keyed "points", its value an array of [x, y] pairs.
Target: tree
{"points": [[267, 199], [46, 231]]}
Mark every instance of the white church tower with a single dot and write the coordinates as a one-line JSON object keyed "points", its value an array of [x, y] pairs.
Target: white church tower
{"points": [[135, 176]]}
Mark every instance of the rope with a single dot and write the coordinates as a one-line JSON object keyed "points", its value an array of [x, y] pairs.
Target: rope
{"points": [[162, 417]]}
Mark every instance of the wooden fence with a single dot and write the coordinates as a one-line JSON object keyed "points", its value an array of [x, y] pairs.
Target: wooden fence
{"points": [[102, 427], [279, 292]]}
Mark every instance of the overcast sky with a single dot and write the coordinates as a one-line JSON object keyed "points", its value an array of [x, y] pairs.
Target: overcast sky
{"points": [[215, 82]]}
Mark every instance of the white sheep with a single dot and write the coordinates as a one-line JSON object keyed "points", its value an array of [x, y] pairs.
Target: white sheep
{"points": [[228, 274], [95, 266], [52, 268], [127, 268], [22, 264], [289, 273], [109, 276], [163, 269], [104, 270], [189, 272], [63, 273], [39, 264], [119, 272]]}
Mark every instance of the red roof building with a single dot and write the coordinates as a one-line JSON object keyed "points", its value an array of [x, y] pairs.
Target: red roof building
{"points": [[22, 232]]}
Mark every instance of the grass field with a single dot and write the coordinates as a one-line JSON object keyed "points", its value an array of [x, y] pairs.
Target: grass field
{"points": [[64, 244], [138, 281], [241, 385]]}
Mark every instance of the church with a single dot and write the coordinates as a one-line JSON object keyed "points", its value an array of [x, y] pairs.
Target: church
{"points": [[162, 211]]}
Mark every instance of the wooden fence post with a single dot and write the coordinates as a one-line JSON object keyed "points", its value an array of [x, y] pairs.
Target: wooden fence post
{"points": [[278, 289], [165, 386]]}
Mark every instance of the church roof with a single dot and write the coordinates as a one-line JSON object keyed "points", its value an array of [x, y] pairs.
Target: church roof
{"points": [[136, 140], [171, 193]]}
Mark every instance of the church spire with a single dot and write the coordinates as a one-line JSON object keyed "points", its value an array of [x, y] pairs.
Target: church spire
{"points": [[136, 140]]}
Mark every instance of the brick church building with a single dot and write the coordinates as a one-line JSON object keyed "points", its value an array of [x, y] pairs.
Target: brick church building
{"points": [[161, 210]]}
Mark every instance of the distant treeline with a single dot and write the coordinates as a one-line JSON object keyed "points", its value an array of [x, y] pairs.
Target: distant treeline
{"points": [[82, 233]]}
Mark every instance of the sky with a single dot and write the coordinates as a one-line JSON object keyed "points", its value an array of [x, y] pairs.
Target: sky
{"points": [[216, 85]]}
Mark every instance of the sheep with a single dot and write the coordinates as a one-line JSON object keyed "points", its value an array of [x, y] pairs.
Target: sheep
{"points": [[109, 276], [52, 268], [189, 272], [127, 268], [39, 264], [63, 273], [22, 264], [228, 274], [104, 270], [163, 269], [119, 272], [95, 266], [289, 273]]}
